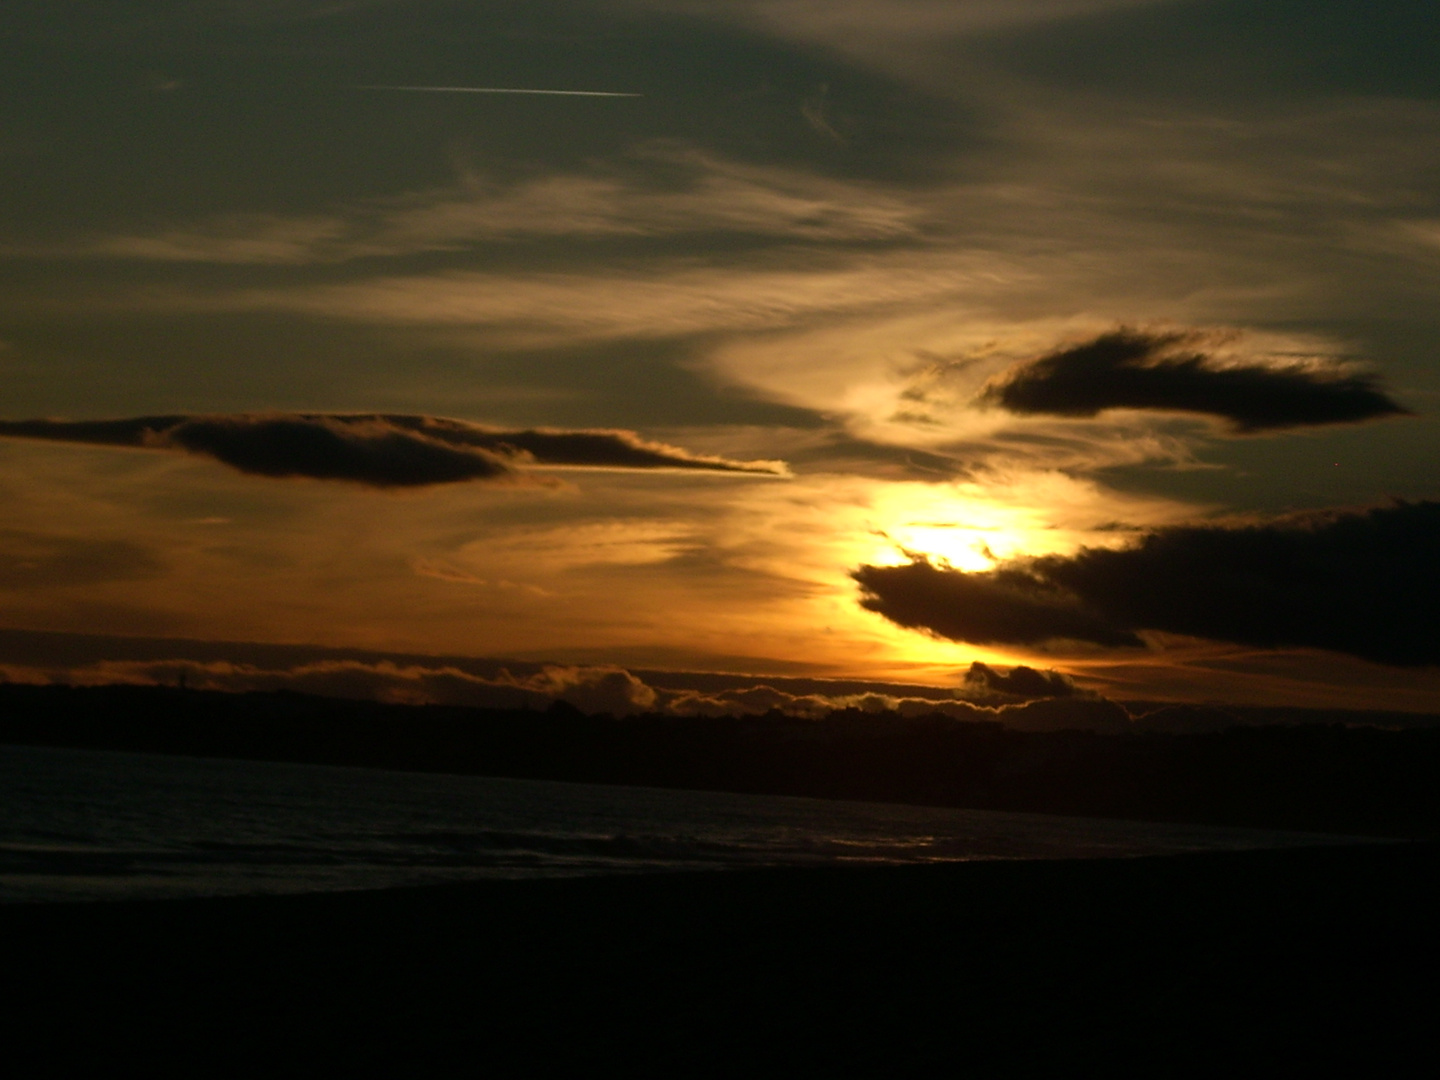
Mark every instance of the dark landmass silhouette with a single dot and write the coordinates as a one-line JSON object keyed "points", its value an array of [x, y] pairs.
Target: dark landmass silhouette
{"points": [[1308, 957], [1311, 960], [1305, 769]]}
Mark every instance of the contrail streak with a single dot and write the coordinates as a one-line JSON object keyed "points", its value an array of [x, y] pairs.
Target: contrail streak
{"points": [[499, 90]]}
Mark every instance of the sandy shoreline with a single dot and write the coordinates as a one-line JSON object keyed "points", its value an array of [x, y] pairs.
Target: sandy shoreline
{"points": [[1301, 953]]}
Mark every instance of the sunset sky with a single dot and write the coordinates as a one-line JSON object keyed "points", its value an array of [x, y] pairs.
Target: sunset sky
{"points": [[862, 339]]}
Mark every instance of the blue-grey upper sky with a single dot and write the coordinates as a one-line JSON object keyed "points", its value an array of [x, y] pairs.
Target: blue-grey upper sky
{"points": [[996, 281]]}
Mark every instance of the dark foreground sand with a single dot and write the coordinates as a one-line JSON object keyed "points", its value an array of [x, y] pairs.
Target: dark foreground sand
{"points": [[1276, 960]]}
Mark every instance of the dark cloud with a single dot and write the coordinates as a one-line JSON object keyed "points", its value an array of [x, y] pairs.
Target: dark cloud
{"points": [[379, 450], [1020, 681], [1366, 583], [1009, 606], [328, 449], [1128, 369], [599, 449]]}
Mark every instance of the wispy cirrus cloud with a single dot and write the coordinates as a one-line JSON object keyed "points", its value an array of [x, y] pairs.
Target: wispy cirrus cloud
{"points": [[898, 36], [649, 300], [502, 90], [663, 190], [379, 450]]}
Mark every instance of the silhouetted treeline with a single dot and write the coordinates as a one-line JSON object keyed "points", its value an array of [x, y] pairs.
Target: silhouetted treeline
{"points": [[1326, 777]]}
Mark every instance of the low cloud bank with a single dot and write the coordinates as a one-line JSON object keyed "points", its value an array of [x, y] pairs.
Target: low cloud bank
{"points": [[988, 696], [1127, 369], [379, 450], [592, 690], [1366, 583]]}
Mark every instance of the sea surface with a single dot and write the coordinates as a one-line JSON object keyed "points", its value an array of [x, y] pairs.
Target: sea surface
{"points": [[97, 825]]}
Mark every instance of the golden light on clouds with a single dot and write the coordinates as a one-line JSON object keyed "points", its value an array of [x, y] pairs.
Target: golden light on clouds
{"points": [[626, 561], [827, 245]]}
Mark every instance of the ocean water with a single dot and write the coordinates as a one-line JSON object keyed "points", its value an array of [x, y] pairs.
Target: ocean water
{"points": [[95, 825]]}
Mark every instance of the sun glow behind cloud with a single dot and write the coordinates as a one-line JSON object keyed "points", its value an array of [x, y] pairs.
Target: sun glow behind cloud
{"points": [[630, 560], [819, 237]]}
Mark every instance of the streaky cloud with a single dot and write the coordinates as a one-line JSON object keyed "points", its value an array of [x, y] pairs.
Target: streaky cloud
{"points": [[1361, 582], [34, 560], [380, 450], [574, 448], [1129, 369], [503, 90]]}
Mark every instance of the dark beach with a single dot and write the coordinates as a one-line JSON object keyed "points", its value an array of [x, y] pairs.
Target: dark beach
{"points": [[1288, 957]]}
